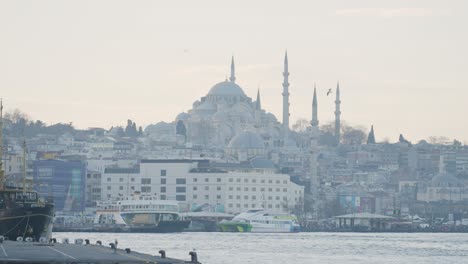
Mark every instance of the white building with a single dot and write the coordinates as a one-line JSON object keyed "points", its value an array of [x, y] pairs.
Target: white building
{"points": [[195, 184]]}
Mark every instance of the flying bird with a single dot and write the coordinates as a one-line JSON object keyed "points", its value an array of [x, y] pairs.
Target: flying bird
{"points": [[329, 91]]}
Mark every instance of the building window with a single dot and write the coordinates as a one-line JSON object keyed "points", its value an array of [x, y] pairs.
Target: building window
{"points": [[277, 182], [207, 179], [195, 180], [121, 180], [108, 179], [195, 188], [132, 179], [270, 206], [218, 196], [121, 188], [218, 188], [270, 181], [180, 189], [270, 189], [238, 197], [277, 189], [231, 188], [285, 190], [285, 182], [230, 205], [254, 189], [246, 180], [180, 197], [230, 180], [246, 206], [163, 189], [262, 189], [108, 187], [270, 198], [145, 189], [254, 197], [218, 180], [230, 196], [238, 188], [207, 188], [238, 180], [108, 196], [163, 172], [145, 181], [246, 197], [133, 187], [195, 196], [207, 197], [180, 181], [163, 197], [285, 198], [163, 181], [277, 198], [254, 180], [263, 181], [246, 189], [238, 205]]}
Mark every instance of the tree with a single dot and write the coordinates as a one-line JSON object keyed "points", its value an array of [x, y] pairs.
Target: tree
{"points": [[353, 136]]}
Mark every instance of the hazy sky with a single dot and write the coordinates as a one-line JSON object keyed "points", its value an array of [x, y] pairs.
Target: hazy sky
{"points": [[402, 65]]}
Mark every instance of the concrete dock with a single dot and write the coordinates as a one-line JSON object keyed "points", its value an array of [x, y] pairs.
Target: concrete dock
{"points": [[32, 252]]}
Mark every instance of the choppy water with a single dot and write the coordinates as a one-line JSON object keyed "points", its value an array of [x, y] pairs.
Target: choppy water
{"points": [[336, 248]]}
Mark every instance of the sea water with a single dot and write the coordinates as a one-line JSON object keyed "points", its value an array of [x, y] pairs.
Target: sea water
{"points": [[336, 248]]}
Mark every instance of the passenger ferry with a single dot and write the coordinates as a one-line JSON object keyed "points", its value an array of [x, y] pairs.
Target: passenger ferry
{"points": [[140, 213], [261, 221]]}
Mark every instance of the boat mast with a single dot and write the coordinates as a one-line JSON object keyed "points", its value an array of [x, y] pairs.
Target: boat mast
{"points": [[24, 166], [2, 176]]}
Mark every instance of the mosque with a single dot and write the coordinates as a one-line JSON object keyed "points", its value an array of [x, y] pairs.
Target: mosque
{"points": [[226, 118]]}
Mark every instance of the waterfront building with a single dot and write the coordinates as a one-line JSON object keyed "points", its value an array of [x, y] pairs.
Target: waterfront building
{"points": [[62, 180], [196, 184]]}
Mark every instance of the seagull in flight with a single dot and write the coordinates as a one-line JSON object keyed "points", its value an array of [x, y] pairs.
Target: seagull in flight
{"points": [[329, 91]]}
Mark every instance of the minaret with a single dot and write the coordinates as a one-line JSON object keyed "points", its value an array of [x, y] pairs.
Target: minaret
{"points": [[285, 98], [337, 115], [314, 121], [314, 131], [233, 71], [258, 103]]}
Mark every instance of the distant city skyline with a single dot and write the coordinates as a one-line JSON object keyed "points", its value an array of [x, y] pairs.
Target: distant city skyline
{"points": [[401, 67]]}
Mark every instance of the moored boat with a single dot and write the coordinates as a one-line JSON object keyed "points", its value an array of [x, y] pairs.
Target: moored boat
{"points": [[261, 221]]}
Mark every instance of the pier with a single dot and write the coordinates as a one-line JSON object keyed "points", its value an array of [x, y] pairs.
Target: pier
{"points": [[33, 252]]}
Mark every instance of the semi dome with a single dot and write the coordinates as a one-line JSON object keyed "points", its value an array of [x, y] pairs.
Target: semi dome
{"points": [[445, 180], [226, 88], [246, 140]]}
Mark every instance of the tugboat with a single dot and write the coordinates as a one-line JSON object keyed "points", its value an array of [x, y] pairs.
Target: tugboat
{"points": [[22, 213]]}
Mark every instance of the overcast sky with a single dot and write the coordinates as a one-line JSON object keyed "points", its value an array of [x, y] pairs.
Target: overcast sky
{"points": [[402, 65]]}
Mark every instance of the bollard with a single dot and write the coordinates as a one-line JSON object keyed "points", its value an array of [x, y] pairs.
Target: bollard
{"points": [[113, 246], [163, 253], [19, 239], [52, 240], [99, 243], [29, 239], [128, 250], [2, 238], [86, 241], [194, 258], [65, 241], [79, 241]]}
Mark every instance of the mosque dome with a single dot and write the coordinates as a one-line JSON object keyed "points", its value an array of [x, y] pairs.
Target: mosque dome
{"points": [[226, 88], [246, 140], [445, 180]]}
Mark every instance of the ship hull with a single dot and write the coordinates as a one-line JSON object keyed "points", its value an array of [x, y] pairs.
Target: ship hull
{"points": [[35, 222]]}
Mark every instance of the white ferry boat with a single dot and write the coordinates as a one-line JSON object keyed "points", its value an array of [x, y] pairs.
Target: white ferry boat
{"points": [[261, 221], [140, 213]]}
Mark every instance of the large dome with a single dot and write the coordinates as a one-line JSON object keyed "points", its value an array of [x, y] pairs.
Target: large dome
{"points": [[246, 140], [226, 88]]}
